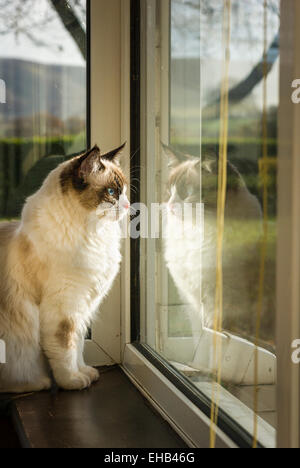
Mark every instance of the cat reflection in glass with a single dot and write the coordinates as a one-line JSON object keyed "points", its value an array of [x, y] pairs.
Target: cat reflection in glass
{"points": [[190, 247]]}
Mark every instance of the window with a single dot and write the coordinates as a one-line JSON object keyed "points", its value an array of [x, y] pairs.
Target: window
{"points": [[183, 47], [43, 105]]}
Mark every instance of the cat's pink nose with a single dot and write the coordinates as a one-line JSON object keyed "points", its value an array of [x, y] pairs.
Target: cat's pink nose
{"points": [[127, 206]]}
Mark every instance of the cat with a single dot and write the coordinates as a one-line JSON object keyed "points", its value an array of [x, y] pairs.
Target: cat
{"points": [[58, 263], [190, 248]]}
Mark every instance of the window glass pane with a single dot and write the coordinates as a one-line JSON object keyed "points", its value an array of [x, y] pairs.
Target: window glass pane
{"points": [[183, 49], [43, 93]]}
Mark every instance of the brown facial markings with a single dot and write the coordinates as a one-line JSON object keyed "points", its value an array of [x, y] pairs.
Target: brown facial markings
{"points": [[73, 176], [99, 184], [66, 334], [90, 178], [115, 180]]}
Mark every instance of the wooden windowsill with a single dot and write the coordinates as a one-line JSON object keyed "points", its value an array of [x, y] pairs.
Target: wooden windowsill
{"points": [[111, 414]]}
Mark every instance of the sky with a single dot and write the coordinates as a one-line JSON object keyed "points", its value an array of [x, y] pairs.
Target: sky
{"points": [[59, 47]]}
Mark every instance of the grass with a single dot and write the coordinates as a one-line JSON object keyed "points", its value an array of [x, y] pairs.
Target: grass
{"points": [[39, 140]]}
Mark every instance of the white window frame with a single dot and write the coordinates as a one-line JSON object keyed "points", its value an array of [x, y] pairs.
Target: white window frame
{"points": [[288, 253], [111, 341], [110, 125]]}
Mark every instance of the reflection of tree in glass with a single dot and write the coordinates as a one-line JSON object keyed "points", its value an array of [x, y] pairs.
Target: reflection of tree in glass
{"points": [[211, 14], [19, 17], [247, 29]]}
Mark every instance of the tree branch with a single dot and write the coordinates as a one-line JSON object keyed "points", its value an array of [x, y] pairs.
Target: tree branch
{"points": [[245, 87], [256, 75], [71, 23]]}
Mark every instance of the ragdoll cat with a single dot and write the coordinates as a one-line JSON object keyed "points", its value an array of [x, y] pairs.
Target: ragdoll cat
{"points": [[190, 247], [57, 265]]}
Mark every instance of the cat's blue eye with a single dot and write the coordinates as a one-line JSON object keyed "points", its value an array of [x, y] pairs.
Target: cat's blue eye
{"points": [[111, 192]]}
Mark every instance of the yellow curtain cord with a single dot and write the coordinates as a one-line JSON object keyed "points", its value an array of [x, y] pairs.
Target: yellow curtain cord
{"points": [[222, 184], [263, 164]]}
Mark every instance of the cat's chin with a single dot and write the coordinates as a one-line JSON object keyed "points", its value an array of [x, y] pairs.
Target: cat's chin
{"points": [[112, 217]]}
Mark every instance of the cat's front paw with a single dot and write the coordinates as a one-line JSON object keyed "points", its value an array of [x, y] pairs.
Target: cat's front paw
{"points": [[91, 372], [73, 381], [45, 383]]}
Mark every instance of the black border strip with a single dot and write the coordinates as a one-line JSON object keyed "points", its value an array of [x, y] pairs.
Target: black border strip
{"points": [[88, 73], [88, 94], [135, 130], [230, 427]]}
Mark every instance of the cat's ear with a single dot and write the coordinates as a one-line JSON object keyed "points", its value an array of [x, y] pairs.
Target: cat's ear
{"points": [[114, 155], [175, 157], [209, 164], [90, 162]]}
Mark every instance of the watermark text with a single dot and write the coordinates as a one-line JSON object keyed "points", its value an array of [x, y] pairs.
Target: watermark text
{"points": [[2, 352], [2, 92]]}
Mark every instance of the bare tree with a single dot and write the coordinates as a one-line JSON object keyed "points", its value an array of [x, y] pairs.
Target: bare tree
{"points": [[206, 33], [71, 23], [245, 87], [26, 18]]}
